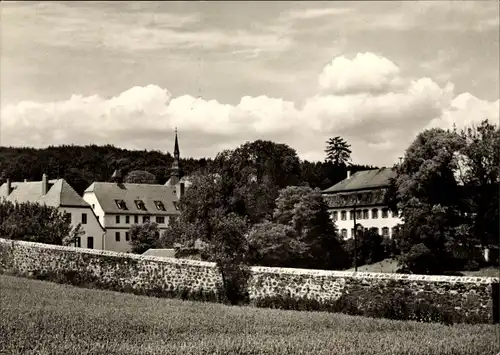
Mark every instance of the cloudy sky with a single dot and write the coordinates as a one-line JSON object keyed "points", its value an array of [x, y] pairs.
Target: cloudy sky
{"points": [[228, 72]]}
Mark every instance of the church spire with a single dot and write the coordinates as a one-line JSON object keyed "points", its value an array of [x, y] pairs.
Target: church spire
{"points": [[176, 146], [175, 173]]}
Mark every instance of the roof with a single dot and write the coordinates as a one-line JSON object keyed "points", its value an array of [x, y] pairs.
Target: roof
{"points": [[364, 180], [108, 192], [375, 197], [164, 253], [60, 193]]}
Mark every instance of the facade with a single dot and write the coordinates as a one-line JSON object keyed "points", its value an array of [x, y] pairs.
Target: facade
{"points": [[119, 205], [58, 193], [360, 198]]}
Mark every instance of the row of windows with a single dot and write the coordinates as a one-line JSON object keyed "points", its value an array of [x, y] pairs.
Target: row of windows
{"points": [[117, 236], [90, 242], [141, 206], [159, 219], [363, 214], [385, 231], [84, 217]]}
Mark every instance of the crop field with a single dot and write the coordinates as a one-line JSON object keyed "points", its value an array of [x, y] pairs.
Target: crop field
{"points": [[39, 317]]}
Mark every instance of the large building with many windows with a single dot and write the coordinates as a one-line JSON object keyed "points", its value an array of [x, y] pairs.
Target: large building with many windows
{"points": [[58, 193], [359, 199], [120, 205]]}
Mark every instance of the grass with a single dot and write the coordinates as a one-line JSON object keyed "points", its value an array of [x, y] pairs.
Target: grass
{"points": [[391, 265], [39, 317]]}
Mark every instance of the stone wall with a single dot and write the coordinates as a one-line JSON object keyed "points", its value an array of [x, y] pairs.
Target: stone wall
{"points": [[468, 298]]}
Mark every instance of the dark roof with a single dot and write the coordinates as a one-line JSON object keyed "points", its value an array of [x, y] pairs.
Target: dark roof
{"points": [[107, 193], [364, 180], [375, 197], [60, 193]]}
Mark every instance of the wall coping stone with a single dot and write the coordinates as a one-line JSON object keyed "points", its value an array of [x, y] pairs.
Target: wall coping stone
{"points": [[264, 269]]}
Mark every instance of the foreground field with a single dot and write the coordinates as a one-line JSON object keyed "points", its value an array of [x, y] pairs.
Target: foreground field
{"points": [[43, 318]]}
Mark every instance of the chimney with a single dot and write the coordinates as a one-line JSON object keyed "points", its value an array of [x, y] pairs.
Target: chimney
{"points": [[348, 174], [117, 176], [9, 187], [180, 190], [45, 184], [25, 180]]}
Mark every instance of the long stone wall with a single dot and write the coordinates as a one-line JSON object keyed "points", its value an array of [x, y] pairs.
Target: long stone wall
{"points": [[469, 298]]}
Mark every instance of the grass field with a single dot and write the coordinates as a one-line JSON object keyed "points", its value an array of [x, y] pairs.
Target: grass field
{"points": [[390, 266], [44, 318]]}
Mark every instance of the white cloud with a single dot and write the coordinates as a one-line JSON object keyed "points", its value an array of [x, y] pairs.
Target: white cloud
{"points": [[367, 72], [379, 121], [314, 13]]}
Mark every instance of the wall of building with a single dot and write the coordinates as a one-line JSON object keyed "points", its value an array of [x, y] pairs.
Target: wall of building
{"points": [[378, 222], [469, 298], [92, 228]]}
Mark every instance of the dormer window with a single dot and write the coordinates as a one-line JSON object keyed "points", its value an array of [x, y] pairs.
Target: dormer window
{"points": [[160, 206], [140, 205], [121, 204], [176, 205]]}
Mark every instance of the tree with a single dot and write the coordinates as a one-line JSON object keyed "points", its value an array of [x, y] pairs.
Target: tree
{"points": [[140, 177], [304, 210], [479, 162], [429, 197], [274, 244], [33, 222], [338, 151], [76, 232], [144, 237]]}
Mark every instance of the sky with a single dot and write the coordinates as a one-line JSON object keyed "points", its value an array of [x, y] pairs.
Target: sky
{"points": [[224, 73]]}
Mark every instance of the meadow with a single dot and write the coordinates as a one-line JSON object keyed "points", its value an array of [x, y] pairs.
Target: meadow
{"points": [[39, 317]]}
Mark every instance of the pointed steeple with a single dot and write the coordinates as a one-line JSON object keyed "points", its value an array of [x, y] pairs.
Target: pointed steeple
{"points": [[175, 173]]}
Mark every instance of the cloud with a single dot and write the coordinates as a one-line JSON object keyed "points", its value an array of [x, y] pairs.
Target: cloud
{"points": [[366, 72], [123, 28], [378, 120], [315, 13]]}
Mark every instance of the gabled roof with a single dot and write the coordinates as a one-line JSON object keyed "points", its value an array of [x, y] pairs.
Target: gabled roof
{"points": [[60, 193], [364, 180], [107, 193]]}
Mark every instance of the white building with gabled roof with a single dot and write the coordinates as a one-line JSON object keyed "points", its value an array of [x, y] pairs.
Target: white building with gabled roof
{"points": [[58, 193]]}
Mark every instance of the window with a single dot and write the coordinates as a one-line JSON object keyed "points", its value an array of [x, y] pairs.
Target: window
{"points": [[385, 213], [90, 242], [335, 215], [136, 219], [160, 219], [117, 236], [140, 205], [351, 215], [121, 204], [145, 219], [344, 233], [176, 205], [385, 232], [84, 218], [359, 214], [375, 230], [160, 206], [78, 242], [374, 213], [93, 206], [127, 236], [395, 214], [394, 231], [365, 214], [343, 215], [127, 219], [117, 219], [352, 232]]}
